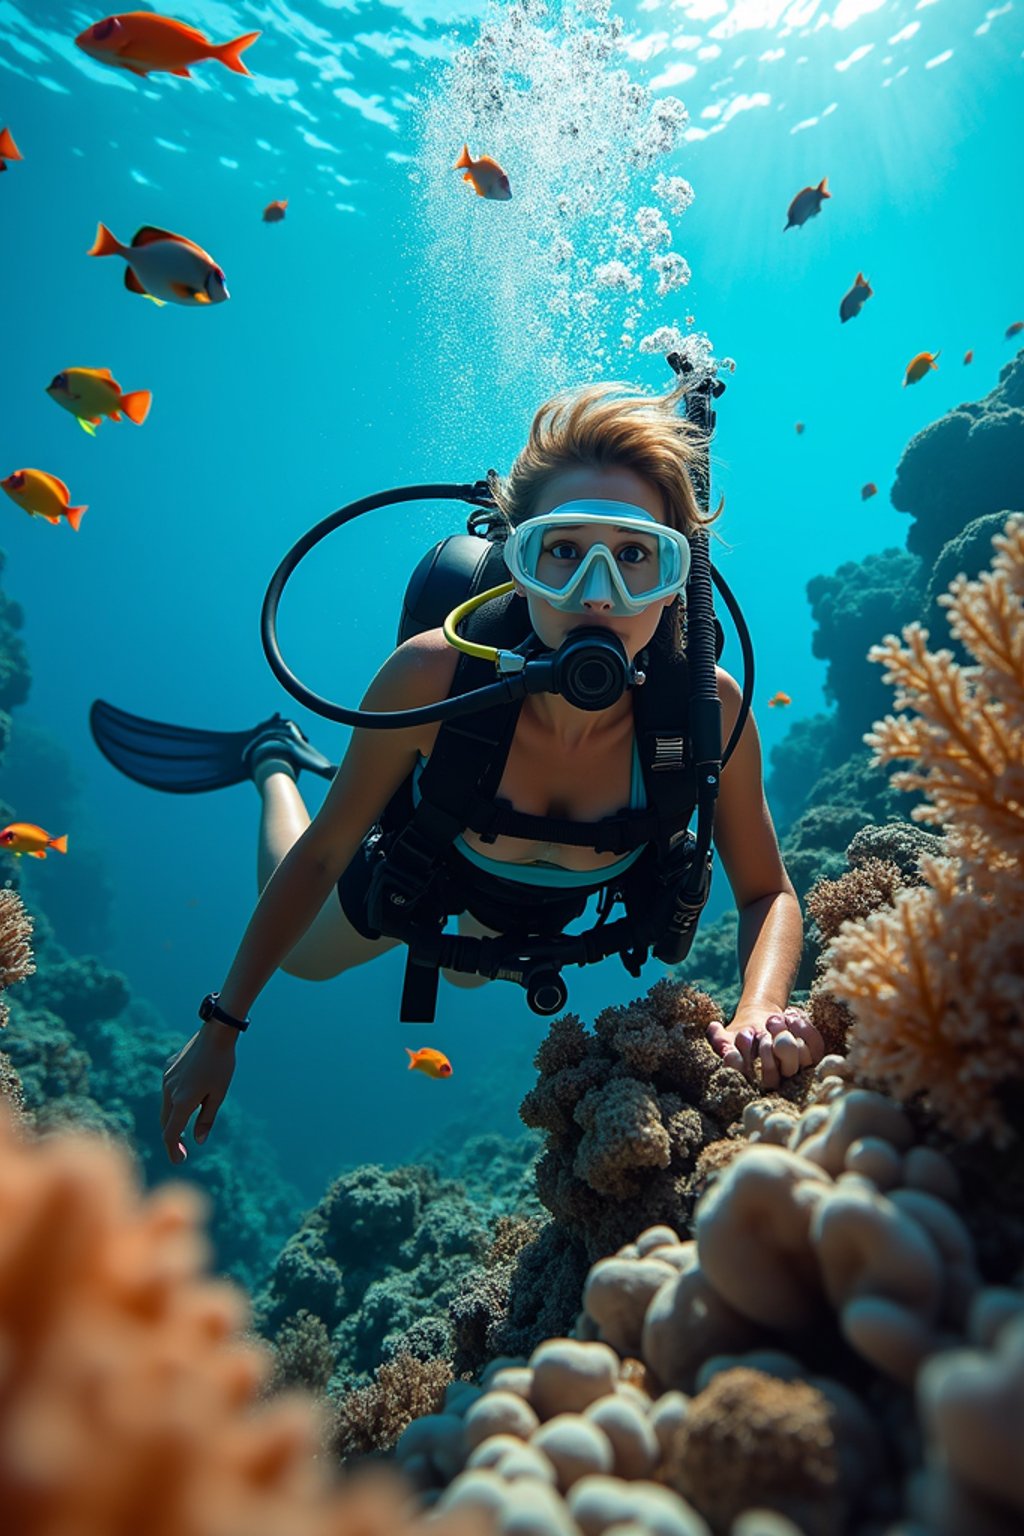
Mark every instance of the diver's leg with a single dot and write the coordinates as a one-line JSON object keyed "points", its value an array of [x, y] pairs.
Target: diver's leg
{"points": [[330, 945], [470, 928]]}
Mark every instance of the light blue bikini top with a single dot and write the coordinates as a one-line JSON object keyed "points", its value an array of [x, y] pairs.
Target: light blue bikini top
{"points": [[550, 874]]}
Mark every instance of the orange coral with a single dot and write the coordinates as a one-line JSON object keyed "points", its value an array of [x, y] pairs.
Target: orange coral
{"points": [[127, 1401], [936, 984]]}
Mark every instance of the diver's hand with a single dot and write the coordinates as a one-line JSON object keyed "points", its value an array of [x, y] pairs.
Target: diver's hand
{"points": [[783, 1042], [197, 1078]]}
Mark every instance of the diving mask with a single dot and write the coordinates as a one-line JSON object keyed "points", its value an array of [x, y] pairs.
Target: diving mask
{"points": [[639, 562]]}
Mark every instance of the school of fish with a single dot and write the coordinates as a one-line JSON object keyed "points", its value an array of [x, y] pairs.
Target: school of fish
{"points": [[170, 268]]}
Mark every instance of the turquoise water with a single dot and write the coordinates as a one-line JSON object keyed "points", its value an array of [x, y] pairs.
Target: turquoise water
{"points": [[396, 329]]}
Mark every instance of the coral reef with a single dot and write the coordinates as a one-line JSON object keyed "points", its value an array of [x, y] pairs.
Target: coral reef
{"points": [[372, 1418], [850, 609], [378, 1260], [626, 1111], [823, 1358], [936, 982], [964, 466], [129, 1401]]}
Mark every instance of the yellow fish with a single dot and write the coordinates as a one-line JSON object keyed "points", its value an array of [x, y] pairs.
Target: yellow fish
{"points": [[42, 495], [431, 1063], [25, 837], [485, 176], [92, 393]]}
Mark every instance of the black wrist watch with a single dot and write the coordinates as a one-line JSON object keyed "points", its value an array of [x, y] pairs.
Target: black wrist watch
{"points": [[210, 1008]]}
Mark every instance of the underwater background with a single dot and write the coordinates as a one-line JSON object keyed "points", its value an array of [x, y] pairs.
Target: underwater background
{"points": [[394, 329]]}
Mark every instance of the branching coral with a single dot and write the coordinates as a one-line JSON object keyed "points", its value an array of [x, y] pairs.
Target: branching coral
{"points": [[372, 1418], [128, 1402], [936, 984]]}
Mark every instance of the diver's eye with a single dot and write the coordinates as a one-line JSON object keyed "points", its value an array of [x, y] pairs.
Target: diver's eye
{"points": [[633, 554], [565, 549], [103, 29]]}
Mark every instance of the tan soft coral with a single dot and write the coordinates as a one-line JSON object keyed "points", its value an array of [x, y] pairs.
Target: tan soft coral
{"points": [[127, 1400], [936, 983], [16, 958]]}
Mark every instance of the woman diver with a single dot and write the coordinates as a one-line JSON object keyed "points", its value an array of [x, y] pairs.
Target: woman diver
{"points": [[598, 505]]}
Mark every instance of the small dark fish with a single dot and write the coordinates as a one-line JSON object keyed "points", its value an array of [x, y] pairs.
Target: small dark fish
{"points": [[1014, 329], [858, 295], [806, 205], [799, 429], [919, 366], [274, 212], [869, 490], [968, 357]]}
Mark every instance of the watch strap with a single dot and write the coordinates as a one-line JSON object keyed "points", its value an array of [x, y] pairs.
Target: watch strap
{"points": [[210, 1008]]}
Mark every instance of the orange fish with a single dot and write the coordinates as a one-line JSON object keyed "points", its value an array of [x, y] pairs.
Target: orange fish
{"points": [[779, 698], [25, 837], [8, 149], [484, 175], [806, 205], [968, 358], [919, 366], [273, 213], [92, 393], [853, 301], [1014, 329], [869, 490], [431, 1063], [42, 495], [143, 41], [799, 429]]}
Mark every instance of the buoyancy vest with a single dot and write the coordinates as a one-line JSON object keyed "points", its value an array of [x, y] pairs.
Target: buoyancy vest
{"points": [[417, 883]]}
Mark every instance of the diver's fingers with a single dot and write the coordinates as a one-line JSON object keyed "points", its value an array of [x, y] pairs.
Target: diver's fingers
{"points": [[803, 1029], [724, 1045], [745, 1041], [175, 1129], [804, 1053], [206, 1116], [766, 1056], [787, 1052]]}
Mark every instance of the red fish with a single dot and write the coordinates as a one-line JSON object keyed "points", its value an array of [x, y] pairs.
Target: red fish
{"points": [[485, 176], [42, 495], [806, 205], [273, 213], [143, 42], [858, 295], [432, 1063], [799, 429], [968, 358], [869, 490], [779, 699], [25, 837], [1014, 329], [919, 366], [8, 149]]}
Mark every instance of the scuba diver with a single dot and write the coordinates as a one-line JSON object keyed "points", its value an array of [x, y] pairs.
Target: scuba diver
{"points": [[509, 803]]}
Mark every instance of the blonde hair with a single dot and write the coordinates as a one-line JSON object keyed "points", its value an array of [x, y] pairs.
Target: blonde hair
{"points": [[606, 424], [611, 423]]}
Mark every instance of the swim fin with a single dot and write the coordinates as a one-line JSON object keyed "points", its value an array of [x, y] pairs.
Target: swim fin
{"points": [[185, 761]]}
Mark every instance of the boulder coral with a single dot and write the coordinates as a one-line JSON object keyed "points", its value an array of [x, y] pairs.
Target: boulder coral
{"points": [[935, 983]]}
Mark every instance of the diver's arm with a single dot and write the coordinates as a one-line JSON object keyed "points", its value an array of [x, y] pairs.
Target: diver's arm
{"points": [[375, 764], [770, 939]]}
